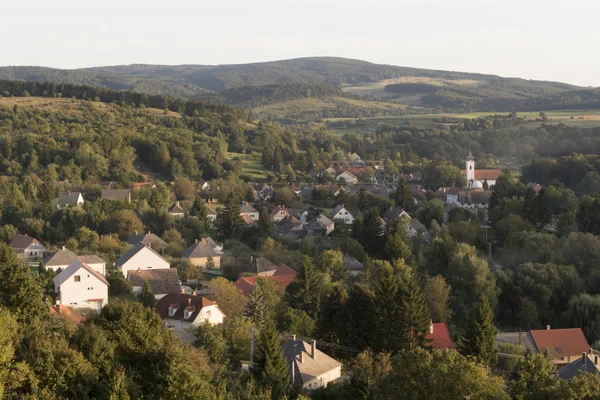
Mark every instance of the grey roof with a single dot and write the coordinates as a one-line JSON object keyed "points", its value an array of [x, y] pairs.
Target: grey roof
{"points": [[63, 256], [417, 225], [176, 208], [74, 267], [320, 223], [337, 209], [93, 259], [393, 214], [116, 194], [198, 250], [256, 265], [139, 246], [161, 281], [571, 370], [210, 211], [247, 208], [352, 264], [147, 238], [21, 242], [310, 367], [68, 198], [522, 339]]}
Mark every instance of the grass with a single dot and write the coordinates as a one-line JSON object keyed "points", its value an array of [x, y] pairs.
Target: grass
{"points": [[251, 165]]}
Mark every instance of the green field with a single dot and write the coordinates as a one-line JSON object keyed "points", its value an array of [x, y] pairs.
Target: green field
{"points": [[251, 165]]}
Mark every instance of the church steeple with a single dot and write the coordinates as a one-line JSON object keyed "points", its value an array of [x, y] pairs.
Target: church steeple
{"points": [[470, 156], [470, 169]]}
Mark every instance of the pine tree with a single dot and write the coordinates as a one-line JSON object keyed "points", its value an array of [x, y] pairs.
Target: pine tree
{"points": [[264, 222], [199, 210], [387, 312], [119, 386], [230, 221], [210, 263], [416, 319], [270, 365], [146, 297], [256, 307], [305, 291], [401, 195], [480, 337]]}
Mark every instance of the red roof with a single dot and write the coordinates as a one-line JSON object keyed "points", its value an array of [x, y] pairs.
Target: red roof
{"points": [[247, 220], [483, 174], [283, 275], [66, 312], [560, 342], [440, 337]]}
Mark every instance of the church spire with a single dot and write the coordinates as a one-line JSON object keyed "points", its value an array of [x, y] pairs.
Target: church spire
{"points": [[470, 156]]}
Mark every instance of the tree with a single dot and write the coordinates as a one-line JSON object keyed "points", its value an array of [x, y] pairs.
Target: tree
{"points": [[369, 232], [119, 386], [479, 340], [298, 322], [124, 223], [432, 210], [270, 365], [8, 333], [20, 292], [211, 338], [210, 263], [305, 290], [257, 306], [198, 210], [534, 378], [229, 221], [416, 319], [230, 299], [264, 221], [146, 297], [401, 196], [331, 262], [184, 189], [397, 247], [437, 296], [388, 312]]}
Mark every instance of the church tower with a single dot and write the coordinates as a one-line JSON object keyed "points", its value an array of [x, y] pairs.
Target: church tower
{"points": [[470, 169]]}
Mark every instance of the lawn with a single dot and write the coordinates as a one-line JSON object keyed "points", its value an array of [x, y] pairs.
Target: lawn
{"points": [[251, 165]]}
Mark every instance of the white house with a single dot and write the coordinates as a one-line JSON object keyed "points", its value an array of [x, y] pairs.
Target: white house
{"points": [[68, 199], [477, 178], [63, 257], [415, 226], [279, 213], [342, 214], [348, 177], [211, 214], [80, 286], [176, 210], [185, 312], [140, 257], [310, 366], [249, 211], [27, 246]]}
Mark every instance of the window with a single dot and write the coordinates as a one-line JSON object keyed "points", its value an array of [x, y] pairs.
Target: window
{"points": [[77, 278], [208, 313]]}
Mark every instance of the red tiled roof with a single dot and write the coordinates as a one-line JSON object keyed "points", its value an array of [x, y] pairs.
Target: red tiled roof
{"points": [[247, 220], [560, 342], [66, 312], [483, 174], [440, 338], [284, 275]]}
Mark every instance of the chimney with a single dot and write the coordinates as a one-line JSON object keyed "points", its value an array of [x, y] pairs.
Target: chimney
{"points": [[590, 351], [313, 349], [584, 356], [547, 327], [194, 293], [177, 202], [63, 248], [203, 240], [182, 291], [431, 327], [569, 359], [196, 240], [520, 338], [301, 356], [136, 232], [150, 244], [596, 360], [294, 338], [189, 302], [148, 232]]}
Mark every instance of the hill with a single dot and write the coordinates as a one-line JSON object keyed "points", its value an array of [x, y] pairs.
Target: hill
{"points": [[312, 77]]}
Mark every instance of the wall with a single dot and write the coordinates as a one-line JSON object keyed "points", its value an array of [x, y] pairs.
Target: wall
{"points": [[76, 294], [144, 259]]}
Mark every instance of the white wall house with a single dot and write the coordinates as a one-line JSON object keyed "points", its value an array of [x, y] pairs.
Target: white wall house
{"points": [[79, 286], [63, 257], [68, 199], [342, 214], [310, 366], [140, 257], [185, 312], [348, 177], [27, 246]]}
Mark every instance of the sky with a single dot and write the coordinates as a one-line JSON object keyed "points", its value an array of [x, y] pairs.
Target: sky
{"points": [[534, 39]]}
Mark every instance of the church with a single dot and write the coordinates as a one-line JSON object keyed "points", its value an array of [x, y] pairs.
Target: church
{"points": [[476, 178]]}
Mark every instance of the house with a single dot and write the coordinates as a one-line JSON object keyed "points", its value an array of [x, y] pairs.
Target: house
{"points": [[68, 199], [564, 345], [288, 225], [308, 212], [249, 211], [588, 362], [262, 191], [309, 366], [439, 337], [176, 210], [348, 177], [141, 185], [62, 258], [352, 266], [415, 226], [217, 247], [161, 281], [334, 190], [66, 313], [140, 257], [478, 178], [320, 226], [27, 246], [210, 214], [149, 239], [184, 312], [536, 187], [283, 275], [330, 171], [203, 185], [279, 213], [474, 199], [247, 220], [200, 251], [80, 286], [340, 213], [116, 194], [257, 265], [393, 214]]}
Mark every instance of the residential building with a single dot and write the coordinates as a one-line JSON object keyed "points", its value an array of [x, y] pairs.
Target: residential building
{"points": [[536, 187], [352, 266], [80, 286], [320, 226], [27, 246], [203, 185], [279, 213], [62, 258], [588, 362], [140, 257], [161, 281], [149, 239], [249, 211], [415, 226], [257, 265], [185, 312], [176, 210], [340, 213], [348, 177], [283, 275], [199, 252], [309, 366], [68, 199], [210, 214], [393, 214], [116, 194], [439, 336]]}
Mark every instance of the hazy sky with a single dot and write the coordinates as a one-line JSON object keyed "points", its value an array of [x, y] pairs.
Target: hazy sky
{"points": [[538, 39]]}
